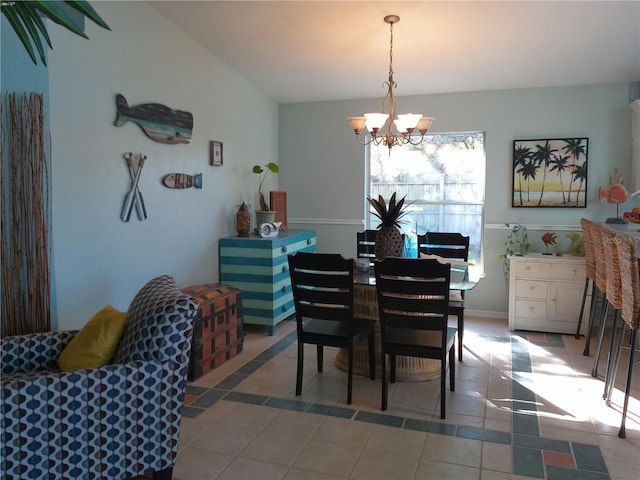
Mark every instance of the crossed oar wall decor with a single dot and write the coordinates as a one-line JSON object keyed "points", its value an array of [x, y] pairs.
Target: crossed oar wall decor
{"points": [[134, 197]]}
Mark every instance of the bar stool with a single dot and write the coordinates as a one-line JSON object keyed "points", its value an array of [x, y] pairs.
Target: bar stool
{"points": [[630, 311], [590, 264], [601, 285], [614, 299]]}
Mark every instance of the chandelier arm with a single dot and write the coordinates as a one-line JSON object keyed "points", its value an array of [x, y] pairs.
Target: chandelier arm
{"points": [[363, 142], [417, 142]]}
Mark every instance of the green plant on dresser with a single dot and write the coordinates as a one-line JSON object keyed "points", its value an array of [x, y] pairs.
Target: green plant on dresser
{"points": [[259, 268]]}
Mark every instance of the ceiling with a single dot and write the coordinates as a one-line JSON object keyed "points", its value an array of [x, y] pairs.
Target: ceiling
{"points": [[301, 51]]}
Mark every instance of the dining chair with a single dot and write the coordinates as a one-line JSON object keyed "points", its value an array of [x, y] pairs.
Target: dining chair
{"points": [[366, 242], [453, 246], [413, 305], [322, 285]]}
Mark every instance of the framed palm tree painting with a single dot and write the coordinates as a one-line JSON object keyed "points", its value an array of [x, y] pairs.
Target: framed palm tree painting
{"points": [[550, 173]]}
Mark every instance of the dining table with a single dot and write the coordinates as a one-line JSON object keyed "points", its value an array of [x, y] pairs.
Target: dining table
{"points": [[365, 304]]}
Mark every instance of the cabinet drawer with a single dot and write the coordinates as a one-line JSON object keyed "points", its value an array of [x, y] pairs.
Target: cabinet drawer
{"points": [[531, 289], [531, 309], [550, 271]]}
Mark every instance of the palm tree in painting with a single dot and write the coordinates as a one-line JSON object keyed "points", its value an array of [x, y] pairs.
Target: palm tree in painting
{"points": [[575, 148], [542, 156], [559, 165], [520, 156], [528, 172], [579, 174]]}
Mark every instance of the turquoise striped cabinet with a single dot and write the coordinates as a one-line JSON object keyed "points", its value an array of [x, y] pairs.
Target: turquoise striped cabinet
{"points": [[258, 266]]}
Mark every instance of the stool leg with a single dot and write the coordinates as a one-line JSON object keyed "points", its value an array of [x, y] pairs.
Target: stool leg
{"points": [[613, 357], [623, 433], [601, 328], [594, 300], [584, 300]]}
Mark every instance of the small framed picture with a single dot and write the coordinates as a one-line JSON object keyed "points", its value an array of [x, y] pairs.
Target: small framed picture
{"points": [[215, 153]]}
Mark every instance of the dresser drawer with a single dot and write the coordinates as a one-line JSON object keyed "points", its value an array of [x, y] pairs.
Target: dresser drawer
{"points": [[550, 271], [531, 289], [531, 309]]}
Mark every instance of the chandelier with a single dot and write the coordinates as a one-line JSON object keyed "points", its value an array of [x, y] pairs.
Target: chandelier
{"points": [[405, 124]]}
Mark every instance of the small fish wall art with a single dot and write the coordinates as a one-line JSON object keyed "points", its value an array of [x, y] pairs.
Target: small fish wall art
{"points": [[159, 122], [182, 180]]}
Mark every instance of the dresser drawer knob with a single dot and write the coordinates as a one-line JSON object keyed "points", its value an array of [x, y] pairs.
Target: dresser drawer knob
{"points": [[308, 241], [284, 269], [284, 289], [284, 249]]}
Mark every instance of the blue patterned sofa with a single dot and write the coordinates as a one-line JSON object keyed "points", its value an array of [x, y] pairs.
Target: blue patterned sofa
{"points": [[115, 422]]}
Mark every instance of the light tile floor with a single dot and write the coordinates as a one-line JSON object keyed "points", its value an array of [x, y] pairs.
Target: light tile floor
{"points": [[525, 406]]}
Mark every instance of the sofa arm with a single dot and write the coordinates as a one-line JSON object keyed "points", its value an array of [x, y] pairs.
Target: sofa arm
{"points": [[33, 352], [123, 418]]}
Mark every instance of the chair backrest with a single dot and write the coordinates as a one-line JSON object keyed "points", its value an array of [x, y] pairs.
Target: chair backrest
{"points": [[366, 242], [630, 280], [322, 285], [447, 245], [589, 254], [413, 294], [598, 254], [612, 264]]}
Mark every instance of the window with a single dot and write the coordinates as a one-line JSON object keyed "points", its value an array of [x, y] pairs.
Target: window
{"points": [[443, 180]]}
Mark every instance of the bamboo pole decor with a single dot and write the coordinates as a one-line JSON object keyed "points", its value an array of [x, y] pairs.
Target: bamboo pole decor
{"points": [[25, 216]]}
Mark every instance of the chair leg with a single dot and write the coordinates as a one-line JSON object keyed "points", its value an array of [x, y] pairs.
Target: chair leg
{"points": [[584, 301], [164, 474], [460, 333], [320, 349], [601, 329], [623, 432], [350, 374], [611, 354], [372, 356], [452, 369], [443, 383], [385, 385], [612, 370], [392, 368], [299, 371], [594, 300]]}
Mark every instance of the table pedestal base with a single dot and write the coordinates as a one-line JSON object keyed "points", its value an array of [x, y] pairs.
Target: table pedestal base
{"points": [[409, 369]]}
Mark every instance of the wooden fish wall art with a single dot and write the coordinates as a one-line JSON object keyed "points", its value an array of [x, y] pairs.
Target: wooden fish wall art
{"points": [[182, 180], [159, 122]]}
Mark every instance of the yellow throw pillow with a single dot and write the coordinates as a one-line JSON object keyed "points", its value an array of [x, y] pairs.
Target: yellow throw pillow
{"points": [[95, 344]]}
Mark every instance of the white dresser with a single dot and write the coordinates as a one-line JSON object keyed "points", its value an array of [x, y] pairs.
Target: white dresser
{"points": [[545, 293]]}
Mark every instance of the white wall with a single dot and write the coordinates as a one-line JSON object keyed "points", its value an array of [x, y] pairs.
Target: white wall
{"points": [[322, 165], [99, 259]]}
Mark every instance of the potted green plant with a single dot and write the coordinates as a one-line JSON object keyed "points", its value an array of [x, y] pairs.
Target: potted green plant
{"points": [[264, 214], [516, 244]]}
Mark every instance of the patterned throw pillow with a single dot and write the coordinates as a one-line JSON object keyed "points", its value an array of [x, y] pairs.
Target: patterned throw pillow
{"points": [[96, 343]]}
